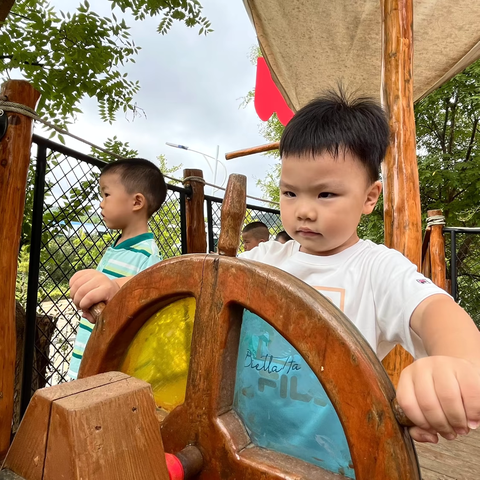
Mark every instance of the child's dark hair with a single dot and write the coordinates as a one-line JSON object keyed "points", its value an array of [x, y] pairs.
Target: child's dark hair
{"points": [[141, 176], [283, 235], [335, 122], [258, 229]]}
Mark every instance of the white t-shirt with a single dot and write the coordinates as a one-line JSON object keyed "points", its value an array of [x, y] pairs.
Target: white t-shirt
{"points": [[376, 287]]}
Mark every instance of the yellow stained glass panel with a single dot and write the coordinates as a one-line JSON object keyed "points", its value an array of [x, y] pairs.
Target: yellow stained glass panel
{"points": [[160, 352]]}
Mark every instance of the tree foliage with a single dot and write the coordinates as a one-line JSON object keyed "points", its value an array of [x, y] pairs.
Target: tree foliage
{"points": [[448, 148], [68, 56]]}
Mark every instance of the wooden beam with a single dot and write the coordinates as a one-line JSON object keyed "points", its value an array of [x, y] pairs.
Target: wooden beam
{"points": [[253, 150], [196, 235], [400, 173], [14, 162]]}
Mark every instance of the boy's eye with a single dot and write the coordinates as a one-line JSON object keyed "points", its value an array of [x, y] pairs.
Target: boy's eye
{"points": [[288, 194], [326, 195]]}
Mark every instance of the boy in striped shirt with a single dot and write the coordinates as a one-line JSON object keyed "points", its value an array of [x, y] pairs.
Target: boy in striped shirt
{"points": [[132, 190]]}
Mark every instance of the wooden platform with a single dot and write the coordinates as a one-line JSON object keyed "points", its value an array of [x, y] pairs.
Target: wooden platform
{"points": [[458, 459]]}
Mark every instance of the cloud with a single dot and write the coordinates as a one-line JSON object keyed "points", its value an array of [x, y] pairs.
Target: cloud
{"points": [[191, 90]]}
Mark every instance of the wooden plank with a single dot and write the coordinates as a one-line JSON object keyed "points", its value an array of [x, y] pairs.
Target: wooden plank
{"points": [[196, 235], [401, 191], [27, 454], [432, 475], [458, 459], [14, 162]]}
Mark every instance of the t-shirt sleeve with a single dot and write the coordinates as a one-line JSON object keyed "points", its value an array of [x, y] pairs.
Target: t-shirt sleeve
{"points": [[149, 262], [398, 289]]}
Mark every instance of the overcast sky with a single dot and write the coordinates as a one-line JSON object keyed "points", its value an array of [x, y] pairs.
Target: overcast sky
{"points": [[191, 90]]}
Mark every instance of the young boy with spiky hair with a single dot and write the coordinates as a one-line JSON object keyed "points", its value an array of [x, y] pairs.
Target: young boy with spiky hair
{"points": [[253, 234], [331, 152], [132, 191]]}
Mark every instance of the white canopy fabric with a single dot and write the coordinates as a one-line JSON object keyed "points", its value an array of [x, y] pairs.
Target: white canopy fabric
{"points": [[312, 45]]}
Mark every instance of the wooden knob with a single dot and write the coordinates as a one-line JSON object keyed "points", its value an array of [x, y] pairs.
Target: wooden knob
{"points": [[233, 212], [96, 311], [402, 419]]}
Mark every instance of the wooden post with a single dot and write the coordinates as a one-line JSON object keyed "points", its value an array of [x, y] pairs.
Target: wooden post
{"points": [[196, 236], [400, 173], [438, 266], [234, 207], [14, 162]]}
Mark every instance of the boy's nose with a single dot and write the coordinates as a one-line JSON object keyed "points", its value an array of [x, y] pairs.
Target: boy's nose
{"points": [[306, 211]]}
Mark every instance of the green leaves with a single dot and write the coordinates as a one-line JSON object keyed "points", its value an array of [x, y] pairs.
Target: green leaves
{"points": [[447, 123], [68, 56]]}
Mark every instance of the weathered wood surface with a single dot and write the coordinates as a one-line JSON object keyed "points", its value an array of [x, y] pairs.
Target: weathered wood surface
{"points": [[78, 431], [340, 358], [401, 191], [45, 326], [14, 162], [451, 460], [196, 235], [36, 421], [252, 151], [438, 267], [233, 213]]}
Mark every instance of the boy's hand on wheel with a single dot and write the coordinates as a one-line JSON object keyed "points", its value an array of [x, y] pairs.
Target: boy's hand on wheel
{"points": [[441, 395], [89, 287]]}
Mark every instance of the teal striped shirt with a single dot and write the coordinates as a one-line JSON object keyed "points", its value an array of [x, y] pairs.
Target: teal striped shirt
{"points": [[124, 260]]}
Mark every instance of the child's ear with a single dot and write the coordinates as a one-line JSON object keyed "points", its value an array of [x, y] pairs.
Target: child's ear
{"points": [[373, 194], [139, 202]]}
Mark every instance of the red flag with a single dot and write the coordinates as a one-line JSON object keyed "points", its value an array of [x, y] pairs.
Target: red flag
{"points": [[268, 98]]}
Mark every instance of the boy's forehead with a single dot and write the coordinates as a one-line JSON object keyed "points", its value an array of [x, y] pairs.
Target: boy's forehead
{"points": [[325, 164], [108, 179]]}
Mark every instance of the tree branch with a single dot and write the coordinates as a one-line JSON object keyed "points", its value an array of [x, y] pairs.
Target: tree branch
{"points": [[5, 7], [472, 140]]}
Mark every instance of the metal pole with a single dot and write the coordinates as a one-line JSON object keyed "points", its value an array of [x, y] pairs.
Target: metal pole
{"points": [[453, 265], [183, 223], [33, 275], [216, 170], [211, 241]]}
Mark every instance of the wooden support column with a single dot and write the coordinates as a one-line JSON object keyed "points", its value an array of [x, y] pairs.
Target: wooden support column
{"points": [[438, 268], [14, 162], [196, 236], [401, 191]]}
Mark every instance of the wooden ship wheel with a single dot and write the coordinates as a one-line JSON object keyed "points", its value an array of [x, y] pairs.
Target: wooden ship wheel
{"points": [[221, 287]]}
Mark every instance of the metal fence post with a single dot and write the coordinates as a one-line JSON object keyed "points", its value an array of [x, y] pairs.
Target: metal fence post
{"points": [[33, 276], [453, 265]]}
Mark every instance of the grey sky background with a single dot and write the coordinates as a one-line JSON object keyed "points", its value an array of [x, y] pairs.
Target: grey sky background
{"points": [[191, 90]]}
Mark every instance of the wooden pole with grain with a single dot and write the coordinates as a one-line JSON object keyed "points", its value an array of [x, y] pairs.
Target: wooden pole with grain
{"points": [[234, 206], [14, 162], [401, 188], [196, 235], [253, 150], [438, 268]]}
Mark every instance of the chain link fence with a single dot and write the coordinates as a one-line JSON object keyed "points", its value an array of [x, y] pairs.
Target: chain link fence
{"points": [[63, 233], [462, 251], [254, 213]]}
